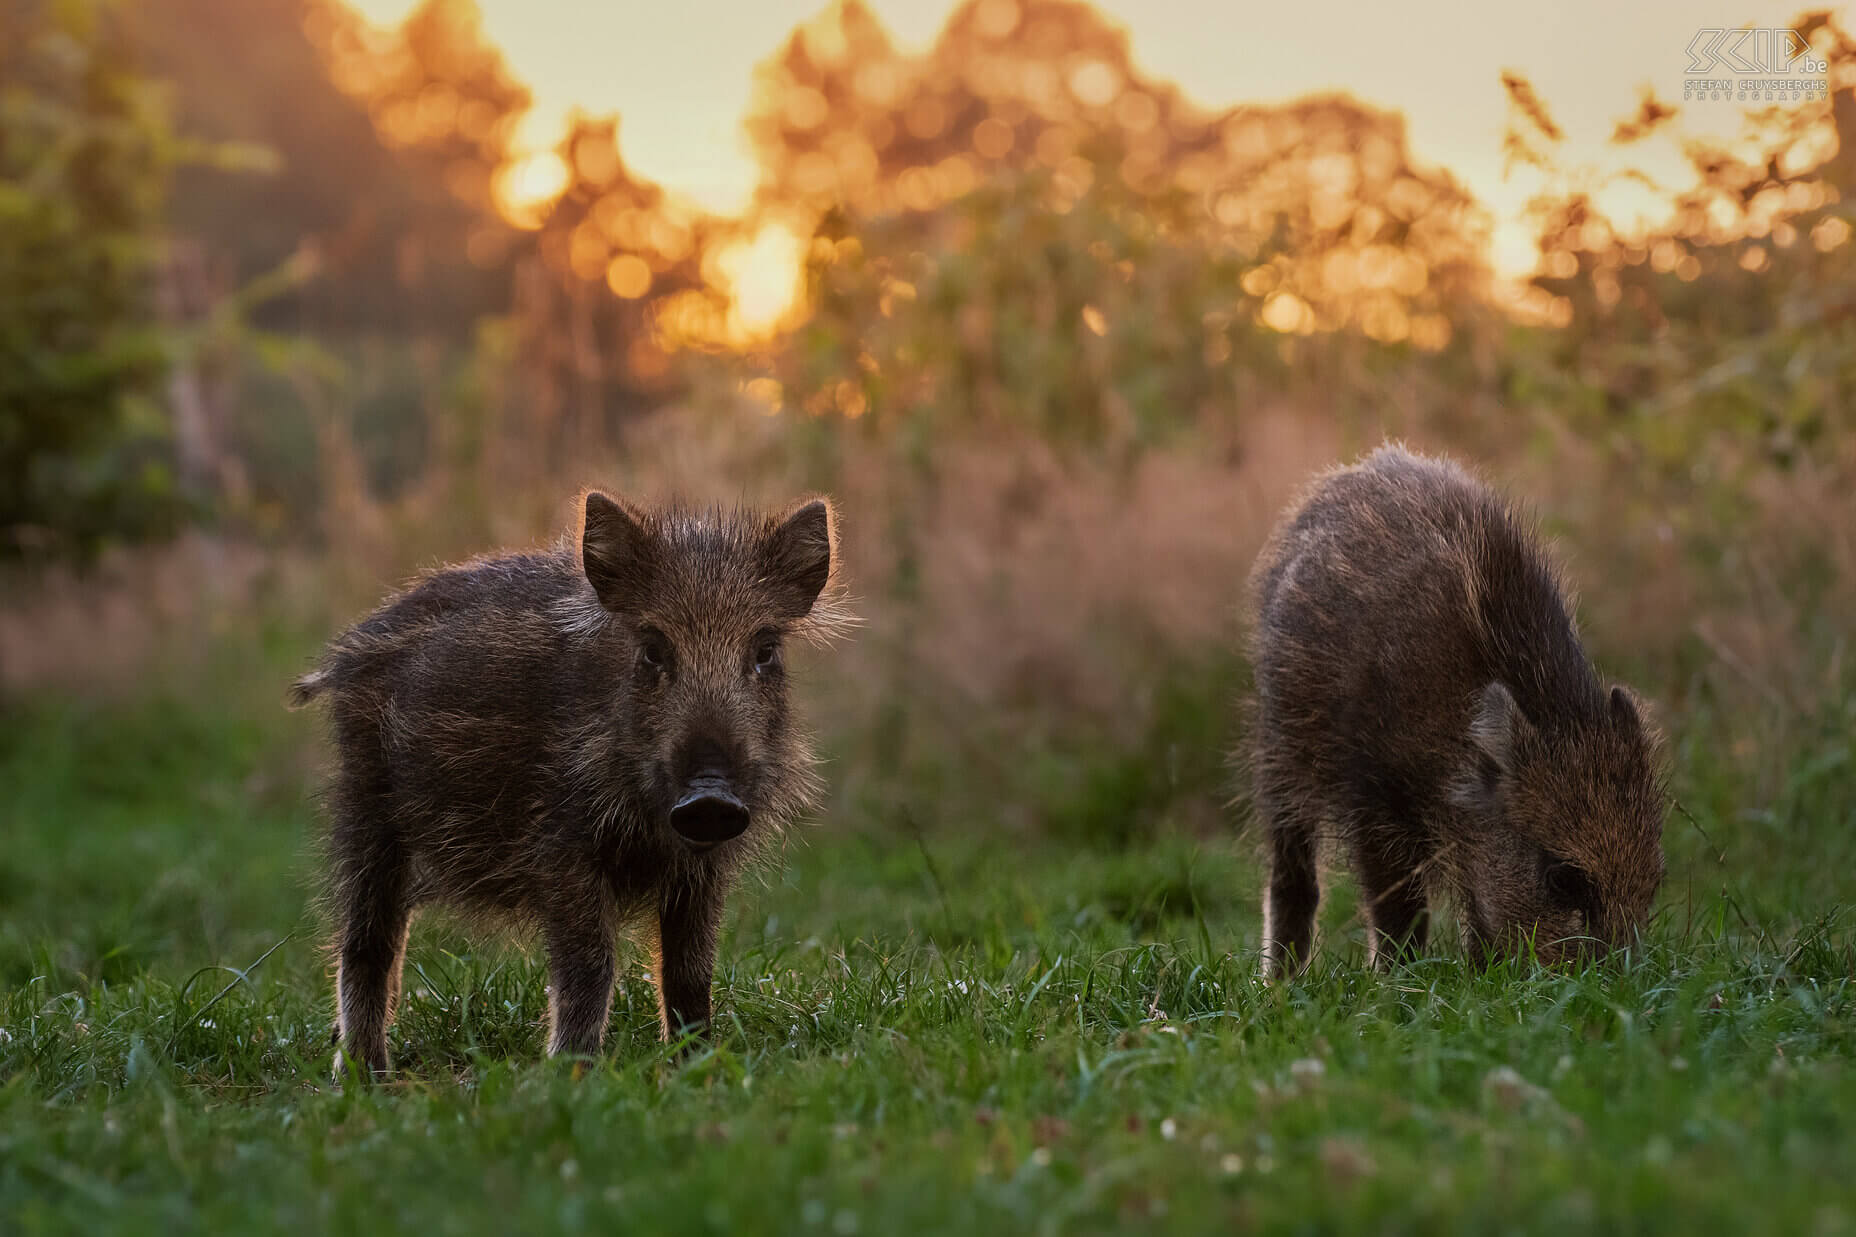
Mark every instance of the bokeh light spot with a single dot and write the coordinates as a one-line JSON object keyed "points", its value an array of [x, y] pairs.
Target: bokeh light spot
{"points": [[526, 188], [761, 277], [628, 276]]}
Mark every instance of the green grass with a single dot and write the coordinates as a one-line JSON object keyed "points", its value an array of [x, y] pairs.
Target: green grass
{"points": [[971, 1030]]}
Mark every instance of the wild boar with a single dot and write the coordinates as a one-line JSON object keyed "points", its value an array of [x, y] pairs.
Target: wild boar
{"points": [[582, 738], [1423, 704]]}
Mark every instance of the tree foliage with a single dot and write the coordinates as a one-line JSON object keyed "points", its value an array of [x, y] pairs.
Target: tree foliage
{"points": [[1725, 337], [1358, 234], [85, 156]]}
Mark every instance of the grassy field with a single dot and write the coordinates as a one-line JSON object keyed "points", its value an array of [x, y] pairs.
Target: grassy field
{"points": [[961, 1029]]}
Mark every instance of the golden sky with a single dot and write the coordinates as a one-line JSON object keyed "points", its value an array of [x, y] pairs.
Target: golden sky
{"points": [[679, 72]]}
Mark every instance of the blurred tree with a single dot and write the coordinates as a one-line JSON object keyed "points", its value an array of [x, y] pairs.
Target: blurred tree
{"points": [[1114, 321], [591, 247], [1019, 230], [86, 152], [1356, 233], [391, 241], [1724, 338], [325, 313]]}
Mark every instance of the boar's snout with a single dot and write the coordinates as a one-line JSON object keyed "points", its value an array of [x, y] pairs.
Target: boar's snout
{"points": [[709, 812], [709, 809]]}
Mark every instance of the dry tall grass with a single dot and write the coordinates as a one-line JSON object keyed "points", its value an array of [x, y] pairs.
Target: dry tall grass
{"points": [[1015, 597]]}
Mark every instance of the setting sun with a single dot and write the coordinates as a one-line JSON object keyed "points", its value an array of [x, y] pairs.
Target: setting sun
{"points": [[525, 188], [761, 276]]}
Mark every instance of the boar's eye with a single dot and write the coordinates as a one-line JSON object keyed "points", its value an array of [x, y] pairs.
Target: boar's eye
{"points": [[766, 652], [1569, 886], [654, 649]]}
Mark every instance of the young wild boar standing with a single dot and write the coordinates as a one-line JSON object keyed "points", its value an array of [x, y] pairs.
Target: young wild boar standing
{"points": [[1423, 701], [578, 738]]}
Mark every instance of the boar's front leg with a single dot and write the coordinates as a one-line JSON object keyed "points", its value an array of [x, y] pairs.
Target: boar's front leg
{"points": [[688, 923], [580, 925]]}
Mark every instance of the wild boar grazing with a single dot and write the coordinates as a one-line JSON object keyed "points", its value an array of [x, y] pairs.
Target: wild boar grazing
{"points": [[581, 738], [1423, 702]]}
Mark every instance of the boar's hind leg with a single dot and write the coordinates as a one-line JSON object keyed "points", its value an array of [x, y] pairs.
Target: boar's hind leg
{"points": [[688, 923], [376, 914], [1293, 893], [580, 928], [1392, 891]]}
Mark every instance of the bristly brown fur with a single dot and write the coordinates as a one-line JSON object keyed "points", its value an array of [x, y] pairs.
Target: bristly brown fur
{"points": [[1424, 704], [514, 732]]}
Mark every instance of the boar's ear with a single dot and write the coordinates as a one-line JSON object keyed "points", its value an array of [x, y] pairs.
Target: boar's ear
{"points": [[615, 552], [1625, 714], [1492, 731], [798, 556]]}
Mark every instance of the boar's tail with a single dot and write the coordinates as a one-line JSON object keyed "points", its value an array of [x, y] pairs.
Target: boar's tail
{"points": [[308, 688]]}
